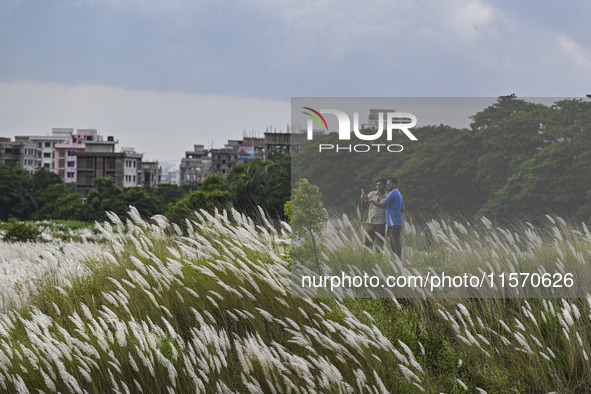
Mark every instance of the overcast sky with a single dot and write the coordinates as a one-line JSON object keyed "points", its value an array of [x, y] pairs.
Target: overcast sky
{"points": [[164, 75]]}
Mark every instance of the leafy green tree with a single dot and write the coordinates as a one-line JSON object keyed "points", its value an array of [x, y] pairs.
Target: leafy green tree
{"points": [[278, 186], [248, 183], [16, 193], [505, 108], [169, 193], [105, 196], [147, 204], [440, 174], [59, 201], [214, 182], [206, 200], [556, 177], [517, 157], [308, 216], [287, 210], [54, 199], [212, 195], [43, 178], [264, 184], [511, 131]]}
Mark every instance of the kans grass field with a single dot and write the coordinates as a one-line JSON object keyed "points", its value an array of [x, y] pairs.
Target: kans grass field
{"points": [[145, 306]]}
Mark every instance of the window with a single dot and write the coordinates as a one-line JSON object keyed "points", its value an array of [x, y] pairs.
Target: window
{"points": [[110, 163], [61, 163], [71, 175], [71, 153], [48, 144], [47, 155], [62, 153], [134, 179], [85, 163], [46, 165], [134, 163], [71, 164], [84, 179]]}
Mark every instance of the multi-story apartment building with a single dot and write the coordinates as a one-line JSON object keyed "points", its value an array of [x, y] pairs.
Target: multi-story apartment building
{"points": [[200, 163], [223, 160], [100, 145], [150, 174], [258, 143], [46, 146], [236, 152], [195, 166], [251, 149], [66, 161], [93, 165], [20, 153], [132, 167], [281, 143], [124, 167]]}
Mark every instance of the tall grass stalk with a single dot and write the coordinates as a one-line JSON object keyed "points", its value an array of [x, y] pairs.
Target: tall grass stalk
{"points": [[209, 309]]}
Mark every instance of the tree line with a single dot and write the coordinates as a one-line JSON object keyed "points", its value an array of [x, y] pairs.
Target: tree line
{"points": [[517, 159], [43, 195]]}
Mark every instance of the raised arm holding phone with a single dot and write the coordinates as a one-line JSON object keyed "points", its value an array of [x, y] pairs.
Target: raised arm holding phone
{"points": [[376, 216]]}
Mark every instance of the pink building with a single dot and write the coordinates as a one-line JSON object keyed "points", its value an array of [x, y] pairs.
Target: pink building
{"points": [[65, 154]]}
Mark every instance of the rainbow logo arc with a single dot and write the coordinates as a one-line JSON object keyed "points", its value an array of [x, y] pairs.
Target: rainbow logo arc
{"points": [[316, 118]]}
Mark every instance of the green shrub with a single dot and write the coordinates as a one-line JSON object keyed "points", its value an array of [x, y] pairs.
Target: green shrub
{"points": [[21, 231], [287, 210]]}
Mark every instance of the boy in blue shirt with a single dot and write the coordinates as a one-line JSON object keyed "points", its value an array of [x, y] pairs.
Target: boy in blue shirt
{"points": [[394, 208]]}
